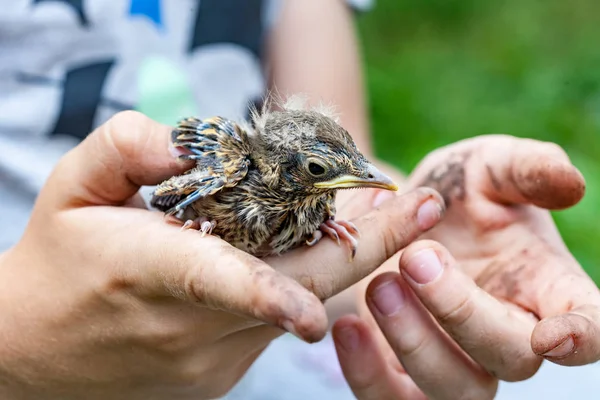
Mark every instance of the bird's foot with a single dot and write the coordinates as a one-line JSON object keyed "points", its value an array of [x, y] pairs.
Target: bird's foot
{"points": [[201, 224], [337, 230]]}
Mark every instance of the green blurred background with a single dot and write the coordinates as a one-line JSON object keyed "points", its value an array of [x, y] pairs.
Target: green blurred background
{"points": [[439, 71]]}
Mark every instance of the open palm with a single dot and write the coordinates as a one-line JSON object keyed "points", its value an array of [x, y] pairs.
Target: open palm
{"points": [[498, 190], [492, 291]]}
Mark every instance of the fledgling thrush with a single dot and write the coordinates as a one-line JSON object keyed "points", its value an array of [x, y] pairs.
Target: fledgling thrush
{"points": [[269, 187]]}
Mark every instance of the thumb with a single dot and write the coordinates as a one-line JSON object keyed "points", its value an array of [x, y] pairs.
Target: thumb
{"points": [[527, 171], [153, 258], [112, 163], [506, 170]]}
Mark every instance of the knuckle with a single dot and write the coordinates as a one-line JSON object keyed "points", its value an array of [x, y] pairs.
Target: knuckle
{"points": [[515, 370], [170, 340], [388, 241], [111, 284], [320, 285], [266, 307], [195, 286], [366, 387], [484, 390], [212, 376], [112, 287], [394, 237], [431, 160], [127, 132], [412, 346], [127, 118], [482, 221], [266, 290], [555, 149], [458, 313], [195, 371]]}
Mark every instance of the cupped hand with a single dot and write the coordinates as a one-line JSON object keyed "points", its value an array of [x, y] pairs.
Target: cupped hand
{"points": [[103, 298], [502, 294]]}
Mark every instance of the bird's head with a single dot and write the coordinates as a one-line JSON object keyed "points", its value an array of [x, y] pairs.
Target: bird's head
{"points": [[313, 154]]}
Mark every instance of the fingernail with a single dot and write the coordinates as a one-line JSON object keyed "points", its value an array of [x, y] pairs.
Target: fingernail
{"points": [[382, 197], [424, 266], [175, 151], [562, 350], [348, 338], [388, 297], [179, 151], [429, 214]]}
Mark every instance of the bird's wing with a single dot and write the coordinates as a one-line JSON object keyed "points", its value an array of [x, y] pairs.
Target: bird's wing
{"points": [[221, 150]]}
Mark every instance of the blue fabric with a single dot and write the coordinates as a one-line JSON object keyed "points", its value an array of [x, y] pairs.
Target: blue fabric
{"points": [[148, 8]]}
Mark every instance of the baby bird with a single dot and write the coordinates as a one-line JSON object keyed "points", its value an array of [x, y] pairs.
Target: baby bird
{"points": [[268, 187]]}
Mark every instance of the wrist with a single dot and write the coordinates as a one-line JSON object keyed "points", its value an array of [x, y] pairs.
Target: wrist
{"points": [[14, 379], [8, 384]]}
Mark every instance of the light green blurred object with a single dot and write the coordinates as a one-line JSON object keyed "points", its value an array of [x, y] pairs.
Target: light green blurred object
{"points": [[164, 91], [579, 225], [439, 71]]}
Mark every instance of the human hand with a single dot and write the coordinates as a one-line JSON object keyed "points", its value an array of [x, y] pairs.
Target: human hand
{"points": [[476, 314], [103, 298]]}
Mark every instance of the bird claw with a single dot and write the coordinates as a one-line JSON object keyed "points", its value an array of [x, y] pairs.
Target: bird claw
{"points": [[350, 227], [337, 230], [201, 224], [332, 232], [189, 224], [316, 236], [207, 227]]}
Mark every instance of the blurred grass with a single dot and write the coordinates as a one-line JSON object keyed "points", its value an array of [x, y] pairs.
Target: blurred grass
{"points": [[439, 71]]}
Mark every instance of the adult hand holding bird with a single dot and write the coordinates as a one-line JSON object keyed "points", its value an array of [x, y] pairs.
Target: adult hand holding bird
{"points": [[103, 299]]}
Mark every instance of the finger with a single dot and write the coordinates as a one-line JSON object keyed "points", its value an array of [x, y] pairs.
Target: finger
{"points": [[352, 205], [235, 353], [495, 336], [113, 162], [526, 171], [435, 363], [568, 301], [199, 270], [570, 339], [136, 201], [325, 269], [356, 348]]}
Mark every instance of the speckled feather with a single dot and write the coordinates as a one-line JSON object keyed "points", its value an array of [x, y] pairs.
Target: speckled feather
{"points": [[251, 181]]}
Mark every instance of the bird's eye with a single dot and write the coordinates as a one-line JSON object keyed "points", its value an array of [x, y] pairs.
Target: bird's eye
{"points": [[316, 168]]}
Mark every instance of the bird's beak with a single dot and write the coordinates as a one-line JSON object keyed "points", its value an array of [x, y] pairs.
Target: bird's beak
{"points": [[374, 179]]}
